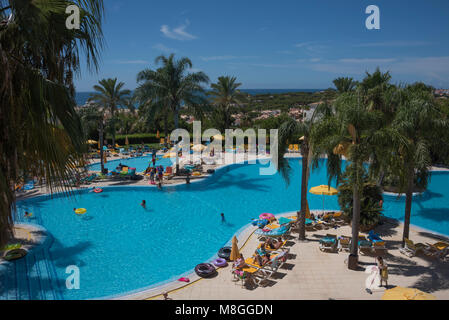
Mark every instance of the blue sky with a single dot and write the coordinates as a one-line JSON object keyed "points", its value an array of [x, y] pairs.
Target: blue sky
{"points": [[277, 44]]}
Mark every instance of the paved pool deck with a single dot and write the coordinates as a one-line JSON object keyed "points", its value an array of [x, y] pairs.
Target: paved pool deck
{"points": [[315, 275]]}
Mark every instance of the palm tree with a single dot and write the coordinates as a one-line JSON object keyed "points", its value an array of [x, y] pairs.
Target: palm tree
{"points": [[344, 84], [225, 94], [421, 123], [171, 85], [355, 132], [292, 130], [95, 116], [110, 95], [41, 132]]}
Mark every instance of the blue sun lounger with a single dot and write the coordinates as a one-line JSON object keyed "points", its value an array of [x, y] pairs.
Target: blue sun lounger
{"points": [[29, 186], [275, 233]]}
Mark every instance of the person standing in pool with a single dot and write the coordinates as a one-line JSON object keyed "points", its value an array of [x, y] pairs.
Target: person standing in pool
{"points": [[153, 158], [144, 204], [223, 218]]}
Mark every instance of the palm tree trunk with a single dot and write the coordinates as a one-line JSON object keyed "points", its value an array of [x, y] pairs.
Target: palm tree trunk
{"points": [[165, 128], [408, 203], [101, 146], [176, 120], [302, 220], [353, 258]]}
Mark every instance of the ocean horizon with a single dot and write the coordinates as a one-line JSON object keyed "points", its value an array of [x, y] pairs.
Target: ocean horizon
{"points": [[82, 97]]}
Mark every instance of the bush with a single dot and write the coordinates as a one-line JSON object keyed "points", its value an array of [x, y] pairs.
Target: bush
{"points": [[370, 209], [137, 138]]}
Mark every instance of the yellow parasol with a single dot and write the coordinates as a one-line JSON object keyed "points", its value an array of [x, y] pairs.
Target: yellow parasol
{"points": [[126, 140], [400, 293], [218, 137], [324, 191], [235, 250], [199, 147]]}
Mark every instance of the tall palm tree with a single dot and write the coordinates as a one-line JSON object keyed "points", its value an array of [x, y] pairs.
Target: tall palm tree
{"points": [[171, 85], [110, 95], [344, 84], [41, 132], [292, 130], [95, 115], [224, 94], [355, 132], [421, 123]]}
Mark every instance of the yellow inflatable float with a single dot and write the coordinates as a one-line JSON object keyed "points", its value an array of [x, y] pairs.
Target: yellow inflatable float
{"points": [[80, 211]]}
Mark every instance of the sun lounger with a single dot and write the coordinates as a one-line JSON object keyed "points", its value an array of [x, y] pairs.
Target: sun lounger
{"points": [[29, 186], [344, 243], [329, 242], [249, 274], [364, 244], [274, 233], [377, 242], [271, 250], [411, 249], [436, 250], [272, 266]]}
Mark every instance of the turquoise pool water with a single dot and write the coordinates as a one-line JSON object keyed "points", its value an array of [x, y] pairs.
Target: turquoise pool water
{"points": [[140, 163], [121, 247]]}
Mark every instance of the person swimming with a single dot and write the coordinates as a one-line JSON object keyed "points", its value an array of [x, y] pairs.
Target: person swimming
{"points": [[28, 214], [223, 218], [144, 204]]}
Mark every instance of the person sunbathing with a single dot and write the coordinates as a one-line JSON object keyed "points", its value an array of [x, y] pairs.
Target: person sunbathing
{"points": [[240, 262], [261, 261], [275, 245]]}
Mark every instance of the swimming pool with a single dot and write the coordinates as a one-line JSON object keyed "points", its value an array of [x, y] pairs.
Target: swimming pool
{"points": [[121, 247], [140, 163]]}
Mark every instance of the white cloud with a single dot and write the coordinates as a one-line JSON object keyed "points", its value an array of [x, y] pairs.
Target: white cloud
{"points": [[178, 33], [163, 48]]}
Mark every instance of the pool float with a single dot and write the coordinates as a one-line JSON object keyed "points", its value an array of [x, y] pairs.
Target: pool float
{"points": [[98, 190], [267, 216], [196, 173], [184, 279], [225, 253], [80, 211], [220, 262], [15, 254], [205, 270]]}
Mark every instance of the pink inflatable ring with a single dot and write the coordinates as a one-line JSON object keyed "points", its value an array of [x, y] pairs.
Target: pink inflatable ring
{"points": [[220, 262], [267, 216]]}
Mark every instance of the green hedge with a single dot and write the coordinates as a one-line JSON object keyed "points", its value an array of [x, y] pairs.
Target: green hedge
{"points": [[137, 138]]}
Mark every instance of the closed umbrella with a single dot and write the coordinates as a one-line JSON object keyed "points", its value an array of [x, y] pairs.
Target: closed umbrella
{"points": [[157, 135], [126, 140], [400, 293], [235, 250], [324, 191]]}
